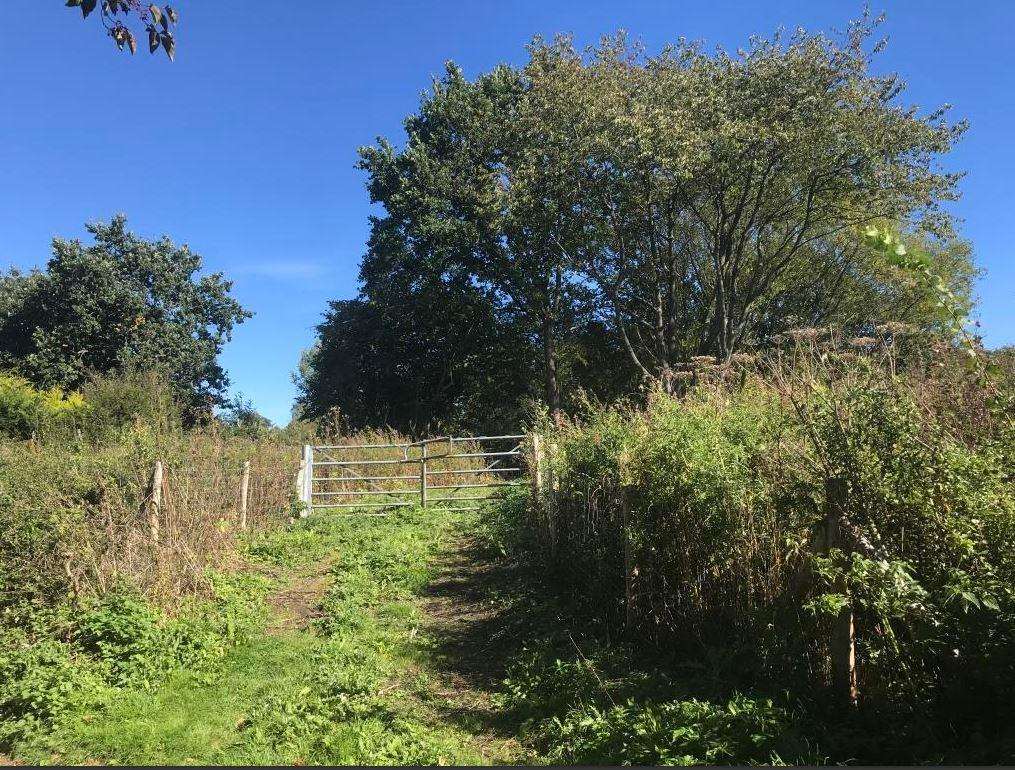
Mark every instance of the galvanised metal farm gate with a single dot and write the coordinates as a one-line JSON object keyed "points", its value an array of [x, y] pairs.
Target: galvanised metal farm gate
{"points": [[456, 472]]}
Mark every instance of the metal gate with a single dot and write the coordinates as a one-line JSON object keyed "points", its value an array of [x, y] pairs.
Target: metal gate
{"points": [[456, 473]]}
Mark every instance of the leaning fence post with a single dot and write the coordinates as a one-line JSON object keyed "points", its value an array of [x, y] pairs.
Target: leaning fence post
{"points": [[244, 488], [422, 473], [155, 501], [843, 646]]}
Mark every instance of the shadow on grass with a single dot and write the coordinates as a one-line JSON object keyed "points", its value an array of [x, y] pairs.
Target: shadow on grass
{"points": [[484, 609]]}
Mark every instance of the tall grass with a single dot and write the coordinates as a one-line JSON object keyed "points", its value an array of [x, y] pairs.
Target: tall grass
{"points": [[694, 523], [73, 516]]}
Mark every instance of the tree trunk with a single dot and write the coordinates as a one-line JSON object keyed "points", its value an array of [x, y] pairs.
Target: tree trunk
{"points": [[552, 385]]}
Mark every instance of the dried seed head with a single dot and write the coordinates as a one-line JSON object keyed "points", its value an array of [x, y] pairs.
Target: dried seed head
{"points": [[804, 334], [863, 342]]}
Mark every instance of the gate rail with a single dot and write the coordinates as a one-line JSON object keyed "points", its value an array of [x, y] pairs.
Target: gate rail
{"points": [[337, 476]]}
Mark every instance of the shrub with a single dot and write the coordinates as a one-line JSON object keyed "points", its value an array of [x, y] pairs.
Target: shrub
{"points": [[695, 523], [678, 732], [27, 412], [42, 679]]}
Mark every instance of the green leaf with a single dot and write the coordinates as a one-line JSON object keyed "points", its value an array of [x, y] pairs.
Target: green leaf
{"points": [[170, 45]]}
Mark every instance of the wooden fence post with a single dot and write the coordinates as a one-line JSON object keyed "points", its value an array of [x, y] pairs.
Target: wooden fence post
{"points": [[843, 646], [625, 514], [305, 480], [155, 501], [423, 453], [244, 489], [537, 469]]}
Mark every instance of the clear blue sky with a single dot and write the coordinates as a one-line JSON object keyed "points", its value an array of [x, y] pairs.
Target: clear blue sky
{"points": [[245, 147]]}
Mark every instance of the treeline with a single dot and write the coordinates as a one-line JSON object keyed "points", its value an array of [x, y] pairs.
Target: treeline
{"points": [[119, 307], [593, 222]]}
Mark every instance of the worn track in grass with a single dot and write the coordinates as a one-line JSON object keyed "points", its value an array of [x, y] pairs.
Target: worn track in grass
{"points": [[441, 636]]}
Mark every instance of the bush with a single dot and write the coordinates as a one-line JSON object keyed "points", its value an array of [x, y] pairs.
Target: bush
{"points": [[58, 662], [42, 679], [713, 504], [26, 412], [131, 400], [677, 732]]}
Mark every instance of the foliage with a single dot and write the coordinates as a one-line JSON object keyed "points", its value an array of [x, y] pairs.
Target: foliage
{"points": [[141, 647], [159, 23], [57, 664], [241, 416], [418, 358], [42, 680], [696, 523], [678, 732], [612, 215], [122, 305], [25, 411], [71, 502]]}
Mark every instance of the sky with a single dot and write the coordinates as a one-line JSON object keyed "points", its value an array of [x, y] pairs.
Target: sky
{"points": [[245, 147]]}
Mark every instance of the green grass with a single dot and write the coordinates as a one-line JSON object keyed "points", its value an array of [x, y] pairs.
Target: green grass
{"points": [[349, 687]]}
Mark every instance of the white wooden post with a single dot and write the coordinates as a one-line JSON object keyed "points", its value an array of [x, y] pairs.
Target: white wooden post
{"points": [[244, 488], [155, 501], [307, 471]]}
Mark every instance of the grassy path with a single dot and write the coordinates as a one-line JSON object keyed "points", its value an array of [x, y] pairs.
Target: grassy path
{"points": [[371, 652]]}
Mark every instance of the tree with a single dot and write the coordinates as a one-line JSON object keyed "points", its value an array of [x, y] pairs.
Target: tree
{"points": [[724, 196], [159, 23], [123, 304], [419, 351], [658, 208]]}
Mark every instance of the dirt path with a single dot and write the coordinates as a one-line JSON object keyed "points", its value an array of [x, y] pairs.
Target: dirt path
{"points": [[400, 671], [475, 616], [297, 604]]}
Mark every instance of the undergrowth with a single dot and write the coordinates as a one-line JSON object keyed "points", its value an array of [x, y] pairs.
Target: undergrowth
{"points": [[116, 680], [353, 708], [69, 663]]}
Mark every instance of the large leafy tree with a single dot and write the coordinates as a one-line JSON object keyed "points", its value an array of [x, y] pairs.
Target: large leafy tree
{"points": [[723, 196], [122, 304], [421, 349], [683, 204], [478, 189]]}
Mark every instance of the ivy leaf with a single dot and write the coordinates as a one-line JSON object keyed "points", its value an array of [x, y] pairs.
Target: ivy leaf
{"points": [[87, 6]]}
